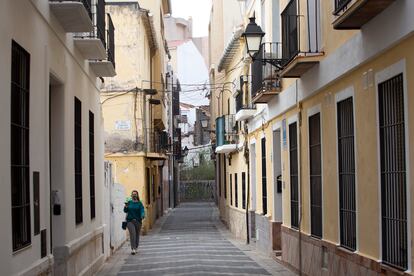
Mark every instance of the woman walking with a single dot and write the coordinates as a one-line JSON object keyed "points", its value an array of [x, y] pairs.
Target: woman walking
{"points": [[135, 214]]}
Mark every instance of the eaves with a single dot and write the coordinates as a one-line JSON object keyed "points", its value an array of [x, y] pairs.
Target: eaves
{"points": [[230, 50]]}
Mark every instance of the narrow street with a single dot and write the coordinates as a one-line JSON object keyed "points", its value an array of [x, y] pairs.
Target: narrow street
{"points": [[191, 241]]}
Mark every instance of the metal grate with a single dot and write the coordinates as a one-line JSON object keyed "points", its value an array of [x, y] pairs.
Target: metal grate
{"points": [[290, 45], [340, 5], [219, 175], [257, 75], [148, 186], [346, 169], [244, 190], [393, 173], [92, 163], [264, 178], [231, 190], [294, 177], [236, 189], [100, 21], [78, 161], [315, 174], [19, 147], [111, 41], [225, 182], [224, 171]]}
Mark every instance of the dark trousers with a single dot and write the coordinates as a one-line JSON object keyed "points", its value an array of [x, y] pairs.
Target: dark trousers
{"points": [[134, 228]]}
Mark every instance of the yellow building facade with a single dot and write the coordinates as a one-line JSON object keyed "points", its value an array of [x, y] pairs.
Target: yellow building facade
{"points": [[135, 105], [336, 127]]}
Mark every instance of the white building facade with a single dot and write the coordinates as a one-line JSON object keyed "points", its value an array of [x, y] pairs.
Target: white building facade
{"points": [[51, 169]]}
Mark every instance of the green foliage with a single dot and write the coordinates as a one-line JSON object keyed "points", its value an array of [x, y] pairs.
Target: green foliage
{"points": [[205, 171]]}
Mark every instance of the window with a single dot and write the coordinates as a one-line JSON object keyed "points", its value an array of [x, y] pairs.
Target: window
{"points": [[393, 173], [244, 190], [236, 189], [224, 173], [92, 163], [78, 161], [346, 170], [148, 185], [19, 147], [225, 184], [315, 174], [264, 179], [231, 190], [219, 175], [294, 176], [290, 46]]}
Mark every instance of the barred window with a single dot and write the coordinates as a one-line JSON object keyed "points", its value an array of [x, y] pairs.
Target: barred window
{"points": [[19, 147], [393, 173], [346, 169], [92, 163], [294, 175], [315, 174], [78, 162], [236, 189], [264, 177]]}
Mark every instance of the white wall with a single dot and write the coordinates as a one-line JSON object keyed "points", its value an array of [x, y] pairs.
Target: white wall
{"points": [[32, 26]]}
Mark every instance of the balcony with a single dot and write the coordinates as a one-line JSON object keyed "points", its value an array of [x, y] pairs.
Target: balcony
{"points": [[266, 73], [353, 14], [156, 144], [226, 134], [92, 44], [299, 56], [106, 67], [244, 111], [74, 15]]}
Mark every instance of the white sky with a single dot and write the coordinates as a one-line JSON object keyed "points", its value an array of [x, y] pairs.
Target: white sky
{"points": [[199, 10]]}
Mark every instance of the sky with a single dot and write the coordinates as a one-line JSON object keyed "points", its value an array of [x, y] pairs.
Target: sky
{"points": [[199, 10]]}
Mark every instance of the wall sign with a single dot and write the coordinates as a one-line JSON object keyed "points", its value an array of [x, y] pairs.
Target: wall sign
{"points": [[123, 125]]}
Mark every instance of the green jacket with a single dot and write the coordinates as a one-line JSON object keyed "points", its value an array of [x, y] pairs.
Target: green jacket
{"points": [[135, 210]]}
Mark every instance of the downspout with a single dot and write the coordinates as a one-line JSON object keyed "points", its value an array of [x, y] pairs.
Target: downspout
{"points": [[246, 156], [299, 107]]}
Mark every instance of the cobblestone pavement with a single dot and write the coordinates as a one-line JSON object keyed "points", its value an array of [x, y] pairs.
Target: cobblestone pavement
{"points": [[191, 241]]}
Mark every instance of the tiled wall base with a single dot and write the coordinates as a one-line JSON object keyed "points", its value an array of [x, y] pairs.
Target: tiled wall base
{"points": [[237, 223], [321, 258], [81, 257], [263, 234]]}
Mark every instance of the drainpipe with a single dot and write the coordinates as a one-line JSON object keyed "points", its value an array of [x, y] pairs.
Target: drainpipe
{"points": [[299, 107], [246, 156]]}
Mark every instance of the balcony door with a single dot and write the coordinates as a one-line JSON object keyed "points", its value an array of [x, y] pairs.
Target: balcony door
{"points": [[290, 46], [314, 26]]}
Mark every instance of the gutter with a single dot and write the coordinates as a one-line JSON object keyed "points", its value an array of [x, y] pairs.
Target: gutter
{"points": [[230, 50]]}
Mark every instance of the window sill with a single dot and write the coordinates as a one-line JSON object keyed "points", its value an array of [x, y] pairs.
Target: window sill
{"points": [[27, 247]]}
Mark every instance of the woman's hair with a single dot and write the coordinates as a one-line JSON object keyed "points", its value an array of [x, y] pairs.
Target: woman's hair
{"points": [[135, 191]]}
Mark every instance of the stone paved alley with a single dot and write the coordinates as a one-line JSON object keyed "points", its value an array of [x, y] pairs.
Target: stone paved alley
{"points": [[192, 241]]}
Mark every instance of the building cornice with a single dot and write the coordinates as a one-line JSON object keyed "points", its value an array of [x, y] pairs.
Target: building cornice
{"points": [[230, 50]]}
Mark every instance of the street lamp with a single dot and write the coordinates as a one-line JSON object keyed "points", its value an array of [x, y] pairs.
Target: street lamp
{"points": [[185, 151], [253, 36], [204, 123]]}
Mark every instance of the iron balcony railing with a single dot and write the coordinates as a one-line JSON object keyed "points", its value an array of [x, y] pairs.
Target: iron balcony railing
{"points": [[86, 3], [266, 67], [242, 102], [98, 20], [340, 5], [226, 130], [291, 33], [157, 141], [111, 41]]}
